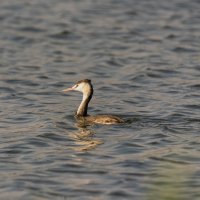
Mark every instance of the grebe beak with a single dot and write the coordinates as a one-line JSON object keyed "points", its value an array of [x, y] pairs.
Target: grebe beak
{"points": [[68, 89]]}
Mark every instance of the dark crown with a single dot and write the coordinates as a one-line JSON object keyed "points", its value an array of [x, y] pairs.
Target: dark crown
{"points": [[84, 81]]}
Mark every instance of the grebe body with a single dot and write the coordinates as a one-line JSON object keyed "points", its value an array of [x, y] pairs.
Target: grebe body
{"points": [[85, 86]]}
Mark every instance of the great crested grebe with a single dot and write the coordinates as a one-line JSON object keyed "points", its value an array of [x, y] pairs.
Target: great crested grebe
{"points": [[85, 86]]}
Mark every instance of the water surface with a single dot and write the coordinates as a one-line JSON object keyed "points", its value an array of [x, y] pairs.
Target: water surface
{"points": [[143, 59]]}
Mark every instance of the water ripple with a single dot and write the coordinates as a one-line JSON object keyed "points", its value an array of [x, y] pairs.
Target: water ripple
{"points": [[144, 65]]}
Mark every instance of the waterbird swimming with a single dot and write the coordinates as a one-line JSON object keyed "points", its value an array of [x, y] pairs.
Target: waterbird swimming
{"points": [[85, 86]]}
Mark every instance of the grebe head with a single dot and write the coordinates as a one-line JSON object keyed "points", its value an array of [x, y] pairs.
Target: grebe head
{"points": [[83, 86]]}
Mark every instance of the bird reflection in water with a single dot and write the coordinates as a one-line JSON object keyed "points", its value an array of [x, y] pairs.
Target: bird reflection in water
{"points": [[84, 138]]}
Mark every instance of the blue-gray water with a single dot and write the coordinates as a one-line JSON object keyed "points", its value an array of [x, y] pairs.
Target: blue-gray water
{"points": [[144, 61]]}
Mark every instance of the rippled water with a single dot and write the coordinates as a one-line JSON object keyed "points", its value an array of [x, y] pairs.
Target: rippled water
{"points": [[144, 61]]}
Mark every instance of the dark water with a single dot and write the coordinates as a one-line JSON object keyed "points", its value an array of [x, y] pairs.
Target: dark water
{"points": [[144, 61]]}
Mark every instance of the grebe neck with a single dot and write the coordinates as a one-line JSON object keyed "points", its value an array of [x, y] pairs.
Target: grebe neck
{"points": [[82, 109]]}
